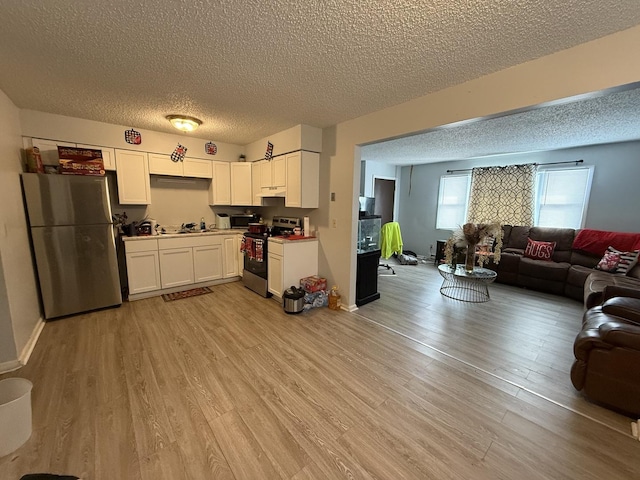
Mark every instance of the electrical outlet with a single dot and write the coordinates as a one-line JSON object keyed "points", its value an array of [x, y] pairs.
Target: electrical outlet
{"points": [[334, 223]]}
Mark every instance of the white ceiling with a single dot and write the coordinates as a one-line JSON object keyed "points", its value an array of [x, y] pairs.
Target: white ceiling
{"points": [[250, 68], [605, 117]]}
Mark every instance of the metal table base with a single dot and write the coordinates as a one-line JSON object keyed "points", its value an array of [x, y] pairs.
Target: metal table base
{"points": [[466, 287]]}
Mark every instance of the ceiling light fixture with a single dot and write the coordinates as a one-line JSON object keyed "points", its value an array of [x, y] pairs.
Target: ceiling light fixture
{"points": [[184, 123]]}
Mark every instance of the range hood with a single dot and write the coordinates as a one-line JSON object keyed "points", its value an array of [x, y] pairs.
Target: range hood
{"points": [[272, 192]]}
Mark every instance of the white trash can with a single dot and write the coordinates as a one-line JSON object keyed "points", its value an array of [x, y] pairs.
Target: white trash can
{"points": [[15, 414]]}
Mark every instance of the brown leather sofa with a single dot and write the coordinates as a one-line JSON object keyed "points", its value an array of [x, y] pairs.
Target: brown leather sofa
{"points": [[570, 273], [607, 351]]}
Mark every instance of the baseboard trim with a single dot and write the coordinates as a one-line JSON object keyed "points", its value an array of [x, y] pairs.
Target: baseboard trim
{"points": [[33, 339], [6, 367], [350, 308]]}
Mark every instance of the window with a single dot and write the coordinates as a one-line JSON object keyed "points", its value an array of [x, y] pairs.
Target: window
{"points": [[453, 199], [561, 199], [562, 196]]}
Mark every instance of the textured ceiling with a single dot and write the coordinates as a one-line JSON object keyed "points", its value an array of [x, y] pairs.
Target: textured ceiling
{"points": [[606, 118], [252, 68]]}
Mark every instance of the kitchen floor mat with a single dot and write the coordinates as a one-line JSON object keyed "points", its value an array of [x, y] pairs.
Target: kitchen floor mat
{"points": [[168, 297]]}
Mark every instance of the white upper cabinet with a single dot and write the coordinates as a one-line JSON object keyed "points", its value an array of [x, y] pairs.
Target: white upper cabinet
{"points": [[194, 167], [108, 155], [241, 184], [256, 171], [273, 173], [132, 173], [220, 190], [303, 180], [161, 164], [48, 149]]}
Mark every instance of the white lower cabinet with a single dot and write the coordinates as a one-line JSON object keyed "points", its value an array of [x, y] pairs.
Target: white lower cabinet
{"points": [[166, 264], [143, 266], [176, 265], [289, 261], [207, 262], [231, 252]]}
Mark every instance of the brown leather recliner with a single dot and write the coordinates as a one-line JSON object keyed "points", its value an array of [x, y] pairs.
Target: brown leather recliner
{"points": [[607, 351]]}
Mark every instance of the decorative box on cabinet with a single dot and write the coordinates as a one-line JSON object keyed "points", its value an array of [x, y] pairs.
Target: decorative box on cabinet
{"points": [[108, 155], [132, 173], [48, 149]]}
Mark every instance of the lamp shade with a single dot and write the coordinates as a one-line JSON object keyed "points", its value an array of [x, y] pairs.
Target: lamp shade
{"points": [[184, 123]]}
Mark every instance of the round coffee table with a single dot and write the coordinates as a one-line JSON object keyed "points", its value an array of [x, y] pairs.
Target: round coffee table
{"points": [[466, 287]]}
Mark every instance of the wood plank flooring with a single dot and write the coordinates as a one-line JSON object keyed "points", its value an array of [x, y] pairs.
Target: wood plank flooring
{"points": [[412, 386]]}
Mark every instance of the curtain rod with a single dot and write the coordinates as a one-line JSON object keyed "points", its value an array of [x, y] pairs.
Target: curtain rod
{"points": [[536, 164]]}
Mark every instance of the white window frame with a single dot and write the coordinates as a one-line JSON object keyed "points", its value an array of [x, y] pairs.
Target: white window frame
{"points": [[585, 200], [441, 224]]}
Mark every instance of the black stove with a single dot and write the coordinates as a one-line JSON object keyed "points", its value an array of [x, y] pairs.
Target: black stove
{"points": [[255, 248]]}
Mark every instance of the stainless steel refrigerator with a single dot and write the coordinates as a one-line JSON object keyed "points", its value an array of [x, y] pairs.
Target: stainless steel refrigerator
{"points": [[73, 242]]}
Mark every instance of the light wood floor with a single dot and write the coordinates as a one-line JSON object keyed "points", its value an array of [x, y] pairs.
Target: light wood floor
{"points": [[412, 386]]}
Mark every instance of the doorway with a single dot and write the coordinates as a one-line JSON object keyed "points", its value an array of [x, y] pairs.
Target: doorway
{"points": [[384, 191]]}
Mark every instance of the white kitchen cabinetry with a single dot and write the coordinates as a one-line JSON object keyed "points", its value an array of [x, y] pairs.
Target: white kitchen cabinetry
{"points": [[108, 155], [207, 262], [132, 173], [176, 265], [220, 190], [289, 261], [196, 168], [256, 171], [143, 266], [273, 173], [231, 253], [48, 149], [241, 184], [161, 164], [303, 180]]}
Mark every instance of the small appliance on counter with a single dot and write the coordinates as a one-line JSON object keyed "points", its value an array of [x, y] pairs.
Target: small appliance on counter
{"points": [[223, 222], [243, 220]]}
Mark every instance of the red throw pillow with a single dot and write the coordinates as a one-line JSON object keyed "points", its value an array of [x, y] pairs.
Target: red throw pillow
{"points": [[539, 250], [609, 263]]}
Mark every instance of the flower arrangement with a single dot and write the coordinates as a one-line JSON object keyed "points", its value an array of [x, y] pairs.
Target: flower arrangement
{"points": [[471, 235]]}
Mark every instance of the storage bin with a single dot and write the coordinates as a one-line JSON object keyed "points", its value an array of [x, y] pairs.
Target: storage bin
{"points": [[15, 414]]}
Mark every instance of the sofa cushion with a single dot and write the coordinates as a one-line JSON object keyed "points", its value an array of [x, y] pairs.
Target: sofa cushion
{"points": [[553, 271], [539, 250], [596, 282], [518, 238], [562, 236], [580, 257]]}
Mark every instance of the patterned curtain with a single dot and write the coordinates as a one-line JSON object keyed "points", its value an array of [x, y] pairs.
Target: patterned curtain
{"points": [[502, 194]]}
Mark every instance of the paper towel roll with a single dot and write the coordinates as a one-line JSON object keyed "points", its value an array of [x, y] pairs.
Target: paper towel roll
{"points": [[306, 227]]}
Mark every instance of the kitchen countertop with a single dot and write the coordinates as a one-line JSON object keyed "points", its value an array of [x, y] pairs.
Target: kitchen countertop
{"points": [[182, 235], [292, 240]]}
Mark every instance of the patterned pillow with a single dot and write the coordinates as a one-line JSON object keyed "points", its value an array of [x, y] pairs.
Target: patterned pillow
{"points": [[609, 263], [627, 260], [539, 250]]}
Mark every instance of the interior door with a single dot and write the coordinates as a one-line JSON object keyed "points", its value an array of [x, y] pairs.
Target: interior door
{"points": [[384, 193]]}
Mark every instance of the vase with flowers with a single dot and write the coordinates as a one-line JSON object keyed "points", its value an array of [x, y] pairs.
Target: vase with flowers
{"points": [[476, 238]]}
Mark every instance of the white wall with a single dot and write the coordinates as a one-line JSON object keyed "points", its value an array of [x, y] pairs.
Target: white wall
{"points": [[76, 130], [603, 63], [373, 170], [614, 188], [19, 304]]}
